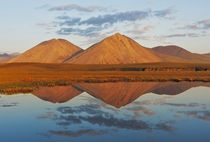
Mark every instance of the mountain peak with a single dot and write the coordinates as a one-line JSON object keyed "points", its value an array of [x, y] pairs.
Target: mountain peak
{"points": [[116, 49], [51, 51], [52, 40], [117, 34], [172, 50]]}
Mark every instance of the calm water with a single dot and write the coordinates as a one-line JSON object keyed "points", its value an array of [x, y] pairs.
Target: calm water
{"points": [[148, 112]]}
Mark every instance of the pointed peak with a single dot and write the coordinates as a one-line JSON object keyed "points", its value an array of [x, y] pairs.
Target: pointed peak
{"points": [[48, 42], [61, 39], [117, 35], [52, 39], [58, 40]]}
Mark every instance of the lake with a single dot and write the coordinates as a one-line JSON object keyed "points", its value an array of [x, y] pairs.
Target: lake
{"points": [[121, 111]]}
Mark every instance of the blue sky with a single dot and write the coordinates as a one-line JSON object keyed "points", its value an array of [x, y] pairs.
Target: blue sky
{"points": [[25, 23]]}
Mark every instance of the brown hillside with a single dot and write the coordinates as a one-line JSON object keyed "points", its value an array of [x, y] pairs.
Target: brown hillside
{"points": [[179, 52], [116, 49], [52, 51]]}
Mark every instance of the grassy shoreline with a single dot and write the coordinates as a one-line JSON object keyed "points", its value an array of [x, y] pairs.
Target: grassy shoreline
{"points": [[25, 77]]}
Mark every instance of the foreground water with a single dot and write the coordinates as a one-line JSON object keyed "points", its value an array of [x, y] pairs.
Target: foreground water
{"points": [[148, 112]]}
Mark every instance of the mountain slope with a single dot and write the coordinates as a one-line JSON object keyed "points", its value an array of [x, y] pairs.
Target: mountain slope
{"points": [[52, 51], [179, 52], [116, 49]]}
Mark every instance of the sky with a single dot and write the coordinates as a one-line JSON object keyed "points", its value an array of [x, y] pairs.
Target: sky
{"points": [[25, 23]]}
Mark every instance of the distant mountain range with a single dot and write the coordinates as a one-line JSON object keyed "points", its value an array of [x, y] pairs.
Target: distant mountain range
{"points": [[116, 49], [5, 57]]}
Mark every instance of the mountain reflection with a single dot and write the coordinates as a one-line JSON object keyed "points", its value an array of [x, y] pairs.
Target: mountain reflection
{"points": [[117, 94], [57, 94]]}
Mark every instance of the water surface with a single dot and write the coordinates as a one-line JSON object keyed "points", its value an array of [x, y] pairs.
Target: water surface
{"points": [[135, 111]]}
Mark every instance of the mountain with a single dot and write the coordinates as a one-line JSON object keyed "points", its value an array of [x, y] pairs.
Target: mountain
{"points": [[58, 94], [51, 51], [116, 49], [176, 51], [117, 94], [4, 57]]}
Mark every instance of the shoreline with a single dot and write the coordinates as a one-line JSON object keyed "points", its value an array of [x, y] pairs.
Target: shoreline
{"points": [[27, 76], [10, 89]]}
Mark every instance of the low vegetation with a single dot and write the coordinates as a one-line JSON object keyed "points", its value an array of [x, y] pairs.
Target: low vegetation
{"points": [[25, 77]]}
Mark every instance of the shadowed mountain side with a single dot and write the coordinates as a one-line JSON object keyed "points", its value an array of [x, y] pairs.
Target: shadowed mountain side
{"points": [[52, 51], [117, 94], [75, 54], [6, 57], [179, 52], [116, 49], [172, 88], [58, 94]]}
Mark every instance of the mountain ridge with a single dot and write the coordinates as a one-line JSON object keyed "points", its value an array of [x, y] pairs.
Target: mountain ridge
{"points": [[51, 51], [116, 49], [176, 51]]}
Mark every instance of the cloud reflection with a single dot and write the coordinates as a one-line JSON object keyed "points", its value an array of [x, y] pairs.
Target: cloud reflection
{"points": [[9, 105], [94, 116], [89, 132], [191, 105], [199, 114], [165, 126]]}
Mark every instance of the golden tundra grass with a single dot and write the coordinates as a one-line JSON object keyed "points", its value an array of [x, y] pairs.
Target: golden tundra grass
{"points": [[24, 77]]}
